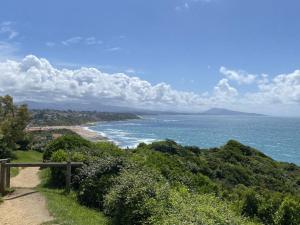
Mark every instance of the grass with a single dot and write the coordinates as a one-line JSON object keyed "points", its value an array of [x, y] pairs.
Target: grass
{"points": [[65, 207], [25, 156], [28, 156]]}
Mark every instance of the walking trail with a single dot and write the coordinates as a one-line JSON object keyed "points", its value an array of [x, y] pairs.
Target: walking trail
{"points": [[25, 206]]}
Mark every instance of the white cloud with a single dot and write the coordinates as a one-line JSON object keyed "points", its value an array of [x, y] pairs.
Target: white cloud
{"points": [[130, 70], [223, 92], [36, 79], [82, 40], [240, 76], [7, 28], [72, 40], [92, 41], [282, 89], [113, 49]]}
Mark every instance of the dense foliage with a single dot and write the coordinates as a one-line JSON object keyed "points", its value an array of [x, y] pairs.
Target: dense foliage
{"points": [[67, 143], [49, 117], [13, 121], [166, 183], [39, 139]]}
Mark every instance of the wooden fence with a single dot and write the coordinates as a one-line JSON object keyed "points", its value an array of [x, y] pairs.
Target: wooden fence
{"points": [[5, 166]]}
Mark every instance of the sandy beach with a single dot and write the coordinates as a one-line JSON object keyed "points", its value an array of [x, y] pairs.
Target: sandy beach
{"points": [[80, 130]]}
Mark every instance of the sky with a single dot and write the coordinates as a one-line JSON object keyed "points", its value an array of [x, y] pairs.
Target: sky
{"points": [[183, 55]]}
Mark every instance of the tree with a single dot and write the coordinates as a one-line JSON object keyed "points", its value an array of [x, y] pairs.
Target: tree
{"points": [[13, 121]]}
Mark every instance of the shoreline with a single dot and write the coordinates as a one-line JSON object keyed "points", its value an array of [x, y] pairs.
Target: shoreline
{"points": [[81, 130]]}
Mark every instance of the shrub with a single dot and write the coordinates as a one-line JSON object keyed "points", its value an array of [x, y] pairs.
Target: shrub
{"points": [[250, 204], [184, 207], [167, 146], [58, 175], [67, 143], [5, 152], [288, 212], [95, 180], [269, 205], [127, 201]]}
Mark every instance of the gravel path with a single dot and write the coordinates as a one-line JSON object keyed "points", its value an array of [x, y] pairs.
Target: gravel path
{"points": [[25, 206]]}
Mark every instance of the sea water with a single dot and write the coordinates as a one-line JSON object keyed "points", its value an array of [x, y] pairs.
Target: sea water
{"points": [[275, 136]]}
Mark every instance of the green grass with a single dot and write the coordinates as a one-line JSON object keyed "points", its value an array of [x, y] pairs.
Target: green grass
{"points": [[25, 156], [65, 208], [28, 156]]}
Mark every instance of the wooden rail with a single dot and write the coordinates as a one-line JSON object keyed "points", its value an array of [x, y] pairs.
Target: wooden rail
{"points": [[5, 166]]}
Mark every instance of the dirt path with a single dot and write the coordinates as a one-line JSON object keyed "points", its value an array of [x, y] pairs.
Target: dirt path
{"points": [[25, 206]]}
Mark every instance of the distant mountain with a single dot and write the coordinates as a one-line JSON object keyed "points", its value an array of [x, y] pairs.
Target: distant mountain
{"points": [[76, 106], [227, 112]]}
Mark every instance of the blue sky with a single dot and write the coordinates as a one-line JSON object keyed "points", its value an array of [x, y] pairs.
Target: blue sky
{"points": [[183, 43]]}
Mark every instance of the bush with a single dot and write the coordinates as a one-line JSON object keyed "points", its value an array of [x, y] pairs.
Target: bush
{"points": [[128, 200], [288, 212], [67, 143], [183, 207], [95, 180], [5, 152], [269, 205], [58, 175], [250, 204]]}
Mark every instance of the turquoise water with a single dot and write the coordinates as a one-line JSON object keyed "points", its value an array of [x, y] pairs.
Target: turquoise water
{"points": [[275, 136]]}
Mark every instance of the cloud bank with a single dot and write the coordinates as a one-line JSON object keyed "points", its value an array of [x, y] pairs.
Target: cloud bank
{"points": [[34, 78]]}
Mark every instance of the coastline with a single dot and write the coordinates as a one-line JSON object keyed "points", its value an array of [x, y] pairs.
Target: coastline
{"points": [[83, 131]]}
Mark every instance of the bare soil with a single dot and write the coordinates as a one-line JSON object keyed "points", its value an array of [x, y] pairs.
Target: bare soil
{"points": [[25, 206]]}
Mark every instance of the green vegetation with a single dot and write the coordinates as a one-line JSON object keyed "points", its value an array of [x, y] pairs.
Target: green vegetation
{"points": [[166, 183], [159, 183], [39, 139], [13, 120], [49, 117], [65, 208], [25, 156], [66, 142], [28, 156]]}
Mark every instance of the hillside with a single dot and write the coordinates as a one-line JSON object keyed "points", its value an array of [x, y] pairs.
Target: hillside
{"points": [[48, 117], [167, 183]]}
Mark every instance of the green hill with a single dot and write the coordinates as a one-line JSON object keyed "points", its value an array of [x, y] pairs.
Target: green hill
{"points": [[167, 183]]}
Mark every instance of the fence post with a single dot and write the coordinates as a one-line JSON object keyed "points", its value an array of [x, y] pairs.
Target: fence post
{"points": [[2, 178], [8, 175], [68, 177]]}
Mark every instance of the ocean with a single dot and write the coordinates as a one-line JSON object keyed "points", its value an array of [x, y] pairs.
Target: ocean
{"points": [[277, 137]]}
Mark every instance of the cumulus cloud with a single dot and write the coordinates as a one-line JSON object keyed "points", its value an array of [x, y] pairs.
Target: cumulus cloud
{"points": [[36, 79], [223, 92], [282, 89], [240, 76], [33, 78]]}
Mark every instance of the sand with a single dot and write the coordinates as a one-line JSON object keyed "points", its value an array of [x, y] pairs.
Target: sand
{"points": [[80, 130]]}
